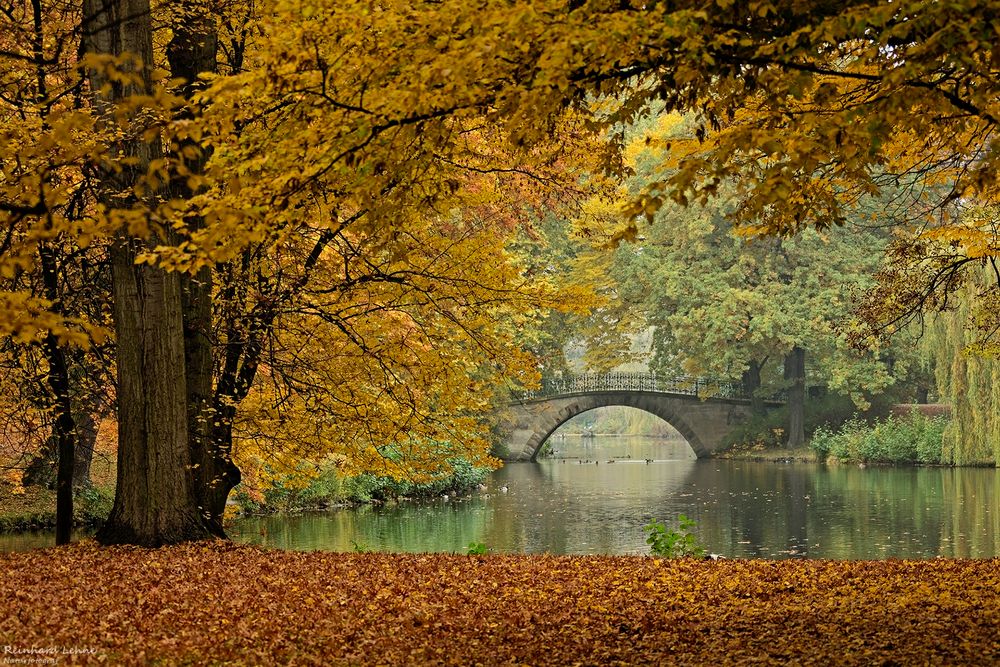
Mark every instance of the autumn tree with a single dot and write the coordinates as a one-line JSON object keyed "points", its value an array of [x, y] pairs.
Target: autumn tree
{"points": [[361, 113], [51, 273]]}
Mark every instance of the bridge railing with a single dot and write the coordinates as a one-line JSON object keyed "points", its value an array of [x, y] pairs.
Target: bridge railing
{"points": [[587, 382]]}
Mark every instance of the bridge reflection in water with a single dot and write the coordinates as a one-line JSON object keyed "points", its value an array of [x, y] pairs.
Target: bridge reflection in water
{"points": [[703, 410]]}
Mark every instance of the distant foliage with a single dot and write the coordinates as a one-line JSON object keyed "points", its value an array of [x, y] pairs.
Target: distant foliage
{"points": [[912, 439], [829, 412], [678, 542], [619, 420], [329, 486]]}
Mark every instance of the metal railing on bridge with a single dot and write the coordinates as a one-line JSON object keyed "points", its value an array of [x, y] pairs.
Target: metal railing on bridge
{"points": [[590, 382]]}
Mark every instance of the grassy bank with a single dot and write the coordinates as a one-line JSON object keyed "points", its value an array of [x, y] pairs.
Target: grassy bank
{"points": [[33, 508], [328, 487], [909, 439], [217, 603]]}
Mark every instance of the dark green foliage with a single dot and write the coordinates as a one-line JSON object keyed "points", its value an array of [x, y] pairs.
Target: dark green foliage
{"points": [[463, 478], [93, 504], [827, 411], [35, 509], [912, 439], [331, 488]]}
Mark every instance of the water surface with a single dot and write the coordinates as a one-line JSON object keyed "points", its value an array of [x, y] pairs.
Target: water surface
{"points": [[599, 492], [596, 495]]}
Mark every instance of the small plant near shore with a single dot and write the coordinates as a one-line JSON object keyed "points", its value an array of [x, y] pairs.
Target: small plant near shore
{"points": [[476, 549], [679, 542], [360, 547]]}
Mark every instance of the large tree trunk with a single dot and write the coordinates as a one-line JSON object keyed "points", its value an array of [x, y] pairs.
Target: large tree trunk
{"points": [[192, 51], [795, 374], [751, 385], [155, 503]]}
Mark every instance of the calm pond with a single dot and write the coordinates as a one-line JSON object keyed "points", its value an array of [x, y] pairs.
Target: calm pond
{"points": [[568, 505]]}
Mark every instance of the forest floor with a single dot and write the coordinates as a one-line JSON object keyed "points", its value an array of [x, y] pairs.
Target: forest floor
{"points": [[219, 603]]}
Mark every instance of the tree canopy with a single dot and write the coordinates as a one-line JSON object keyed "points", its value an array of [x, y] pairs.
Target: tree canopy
{"points": [[302, 209]]}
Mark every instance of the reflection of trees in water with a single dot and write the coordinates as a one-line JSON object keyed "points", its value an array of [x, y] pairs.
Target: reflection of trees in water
{"points": [[573, 507], [847, 512], [742, 509], [414, 527], [605, 448]]}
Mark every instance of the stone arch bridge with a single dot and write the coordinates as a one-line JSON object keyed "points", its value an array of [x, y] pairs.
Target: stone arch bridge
{"points": [[703, 410]]}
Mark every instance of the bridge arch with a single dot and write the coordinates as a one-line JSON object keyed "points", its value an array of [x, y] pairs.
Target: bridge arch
{"points": [[704, 411], [550, 422]]}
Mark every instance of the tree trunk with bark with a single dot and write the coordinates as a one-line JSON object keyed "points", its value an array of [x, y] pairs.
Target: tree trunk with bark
{"points": [[192, 52], [795, 376], [751, 385], [63, 430], [155, 502]]}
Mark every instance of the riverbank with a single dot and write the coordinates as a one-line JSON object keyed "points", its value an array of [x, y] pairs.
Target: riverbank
{"points": [[215, 603], [902, 438], [769, 455], [34, 508]]}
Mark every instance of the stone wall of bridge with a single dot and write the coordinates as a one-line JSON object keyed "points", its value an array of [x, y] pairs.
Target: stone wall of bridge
{"points": [[704, 423]]}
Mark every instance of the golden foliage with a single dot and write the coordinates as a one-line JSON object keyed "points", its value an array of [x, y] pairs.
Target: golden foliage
{"points": [[212, 603]]}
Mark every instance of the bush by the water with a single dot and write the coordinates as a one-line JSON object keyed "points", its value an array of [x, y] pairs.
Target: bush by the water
{"points": [[914, 438], [329, 487], [679, 542], [34, 507], [830, 410]]}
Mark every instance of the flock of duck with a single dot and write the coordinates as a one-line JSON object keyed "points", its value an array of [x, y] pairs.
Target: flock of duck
{"points": [[588, 461]]}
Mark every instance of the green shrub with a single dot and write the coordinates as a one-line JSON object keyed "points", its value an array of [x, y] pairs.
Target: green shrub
{"points": [[93, 504], [912, 439], [822, 442], [677, 542], [476, 549], [324, 489]]}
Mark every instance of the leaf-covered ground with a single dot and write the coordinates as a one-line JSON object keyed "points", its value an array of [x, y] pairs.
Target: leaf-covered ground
{"points": [[222, 604]]}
